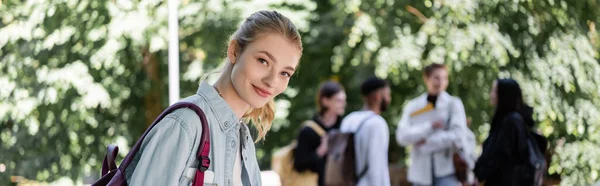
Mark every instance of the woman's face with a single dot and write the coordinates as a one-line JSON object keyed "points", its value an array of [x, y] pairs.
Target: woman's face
{"points": [[494, 94], [336, 104], [263, 70], [437, 81]]}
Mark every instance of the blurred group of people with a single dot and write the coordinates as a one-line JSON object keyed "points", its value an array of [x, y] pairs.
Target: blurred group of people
{"points": [[434, 127]]}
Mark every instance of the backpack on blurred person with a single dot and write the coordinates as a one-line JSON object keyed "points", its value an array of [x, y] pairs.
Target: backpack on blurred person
{"points": [[283, 163], [537, 161], [341, 163], [537, 166]]}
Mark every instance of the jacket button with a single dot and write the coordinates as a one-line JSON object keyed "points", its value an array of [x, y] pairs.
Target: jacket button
{"points": [[232, 144]]}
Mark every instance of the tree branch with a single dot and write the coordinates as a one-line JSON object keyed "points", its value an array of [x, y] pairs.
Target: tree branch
{"points": [[417, 13]]}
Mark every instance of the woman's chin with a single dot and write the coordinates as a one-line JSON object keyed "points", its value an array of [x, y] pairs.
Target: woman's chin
{"points": [[257, 104]]}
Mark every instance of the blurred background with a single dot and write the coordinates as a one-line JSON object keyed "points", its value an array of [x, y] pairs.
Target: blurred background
{"points": [[77, 75]]}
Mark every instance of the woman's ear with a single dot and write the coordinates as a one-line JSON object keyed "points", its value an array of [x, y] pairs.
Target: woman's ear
{"points": [[232, 51]]}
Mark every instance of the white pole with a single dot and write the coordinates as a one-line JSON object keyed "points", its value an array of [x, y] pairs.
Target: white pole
{"points": [[173, 52]]}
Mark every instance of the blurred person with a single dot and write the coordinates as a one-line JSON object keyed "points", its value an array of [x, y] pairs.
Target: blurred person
{"points": [[434, 125], [505, 156], [262, 55], [311, 150], [371, 135]]}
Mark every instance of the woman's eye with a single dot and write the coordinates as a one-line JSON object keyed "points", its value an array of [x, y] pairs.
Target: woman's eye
{"points": [[286, 74], [262, 61]]}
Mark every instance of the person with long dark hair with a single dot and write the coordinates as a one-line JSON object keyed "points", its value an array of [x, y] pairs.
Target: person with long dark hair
{"points": [[505, 156]]}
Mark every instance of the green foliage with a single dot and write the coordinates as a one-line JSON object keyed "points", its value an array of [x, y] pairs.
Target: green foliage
{"points": [[78, 75]]}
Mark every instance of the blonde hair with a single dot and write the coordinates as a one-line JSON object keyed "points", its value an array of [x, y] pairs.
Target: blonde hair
{"points": [[256, 25]]}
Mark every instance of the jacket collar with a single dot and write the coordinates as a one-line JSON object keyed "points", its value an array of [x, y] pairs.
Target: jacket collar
{"points": [[224, 114], [442, 98]]}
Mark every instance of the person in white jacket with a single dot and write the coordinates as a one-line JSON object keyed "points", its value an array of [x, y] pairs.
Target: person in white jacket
{"points": [[434, 126]]}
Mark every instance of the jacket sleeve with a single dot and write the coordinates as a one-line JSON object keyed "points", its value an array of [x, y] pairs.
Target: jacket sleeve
{"points": [[409, 133], [502, 153], [305, 155], [444, 139], [164, 153]]}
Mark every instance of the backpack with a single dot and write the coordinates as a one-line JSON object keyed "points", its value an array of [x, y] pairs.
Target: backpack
{"points": [[283, 163], [534, 169], [113, 176], [340, 169], [537, 162]]}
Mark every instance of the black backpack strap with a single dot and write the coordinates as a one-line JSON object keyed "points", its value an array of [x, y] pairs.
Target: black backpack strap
{"points": [[364, 171], [364, 121]]}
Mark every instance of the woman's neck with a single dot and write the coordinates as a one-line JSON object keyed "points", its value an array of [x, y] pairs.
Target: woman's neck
{"points": [[328, 119], [435, 94], [230, 95]]}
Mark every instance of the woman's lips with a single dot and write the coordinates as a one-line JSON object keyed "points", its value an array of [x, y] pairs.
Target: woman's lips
{"points": [[261, 92]]}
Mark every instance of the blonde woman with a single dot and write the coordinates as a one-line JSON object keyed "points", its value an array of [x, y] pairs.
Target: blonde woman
{"points": [[262, 56]]}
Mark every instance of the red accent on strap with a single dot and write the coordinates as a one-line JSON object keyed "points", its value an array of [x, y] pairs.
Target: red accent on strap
{"points": [[203, 152], [204, 163]]}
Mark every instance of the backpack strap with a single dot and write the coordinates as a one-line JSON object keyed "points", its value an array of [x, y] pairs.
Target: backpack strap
{"points": [[364, 171], [108, 164], [315, 127], [364, 121], [203, 150]]}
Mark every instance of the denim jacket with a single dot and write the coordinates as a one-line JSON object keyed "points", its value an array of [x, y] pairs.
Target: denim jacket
{"points": [[168, 153]]}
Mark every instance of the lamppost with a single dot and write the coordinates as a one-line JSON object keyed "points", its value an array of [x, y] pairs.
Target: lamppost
{"points": [[173, 51]]}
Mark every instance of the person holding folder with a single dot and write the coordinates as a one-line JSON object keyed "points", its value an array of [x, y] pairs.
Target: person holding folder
{"points": [[434, 126]]}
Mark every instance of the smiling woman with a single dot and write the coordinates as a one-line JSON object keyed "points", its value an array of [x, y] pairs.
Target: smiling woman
{"points": [[262, 56]]}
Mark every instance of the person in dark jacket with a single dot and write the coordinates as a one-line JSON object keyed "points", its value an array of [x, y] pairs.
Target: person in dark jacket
{"points": [[311, 152], [505, 156]]}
